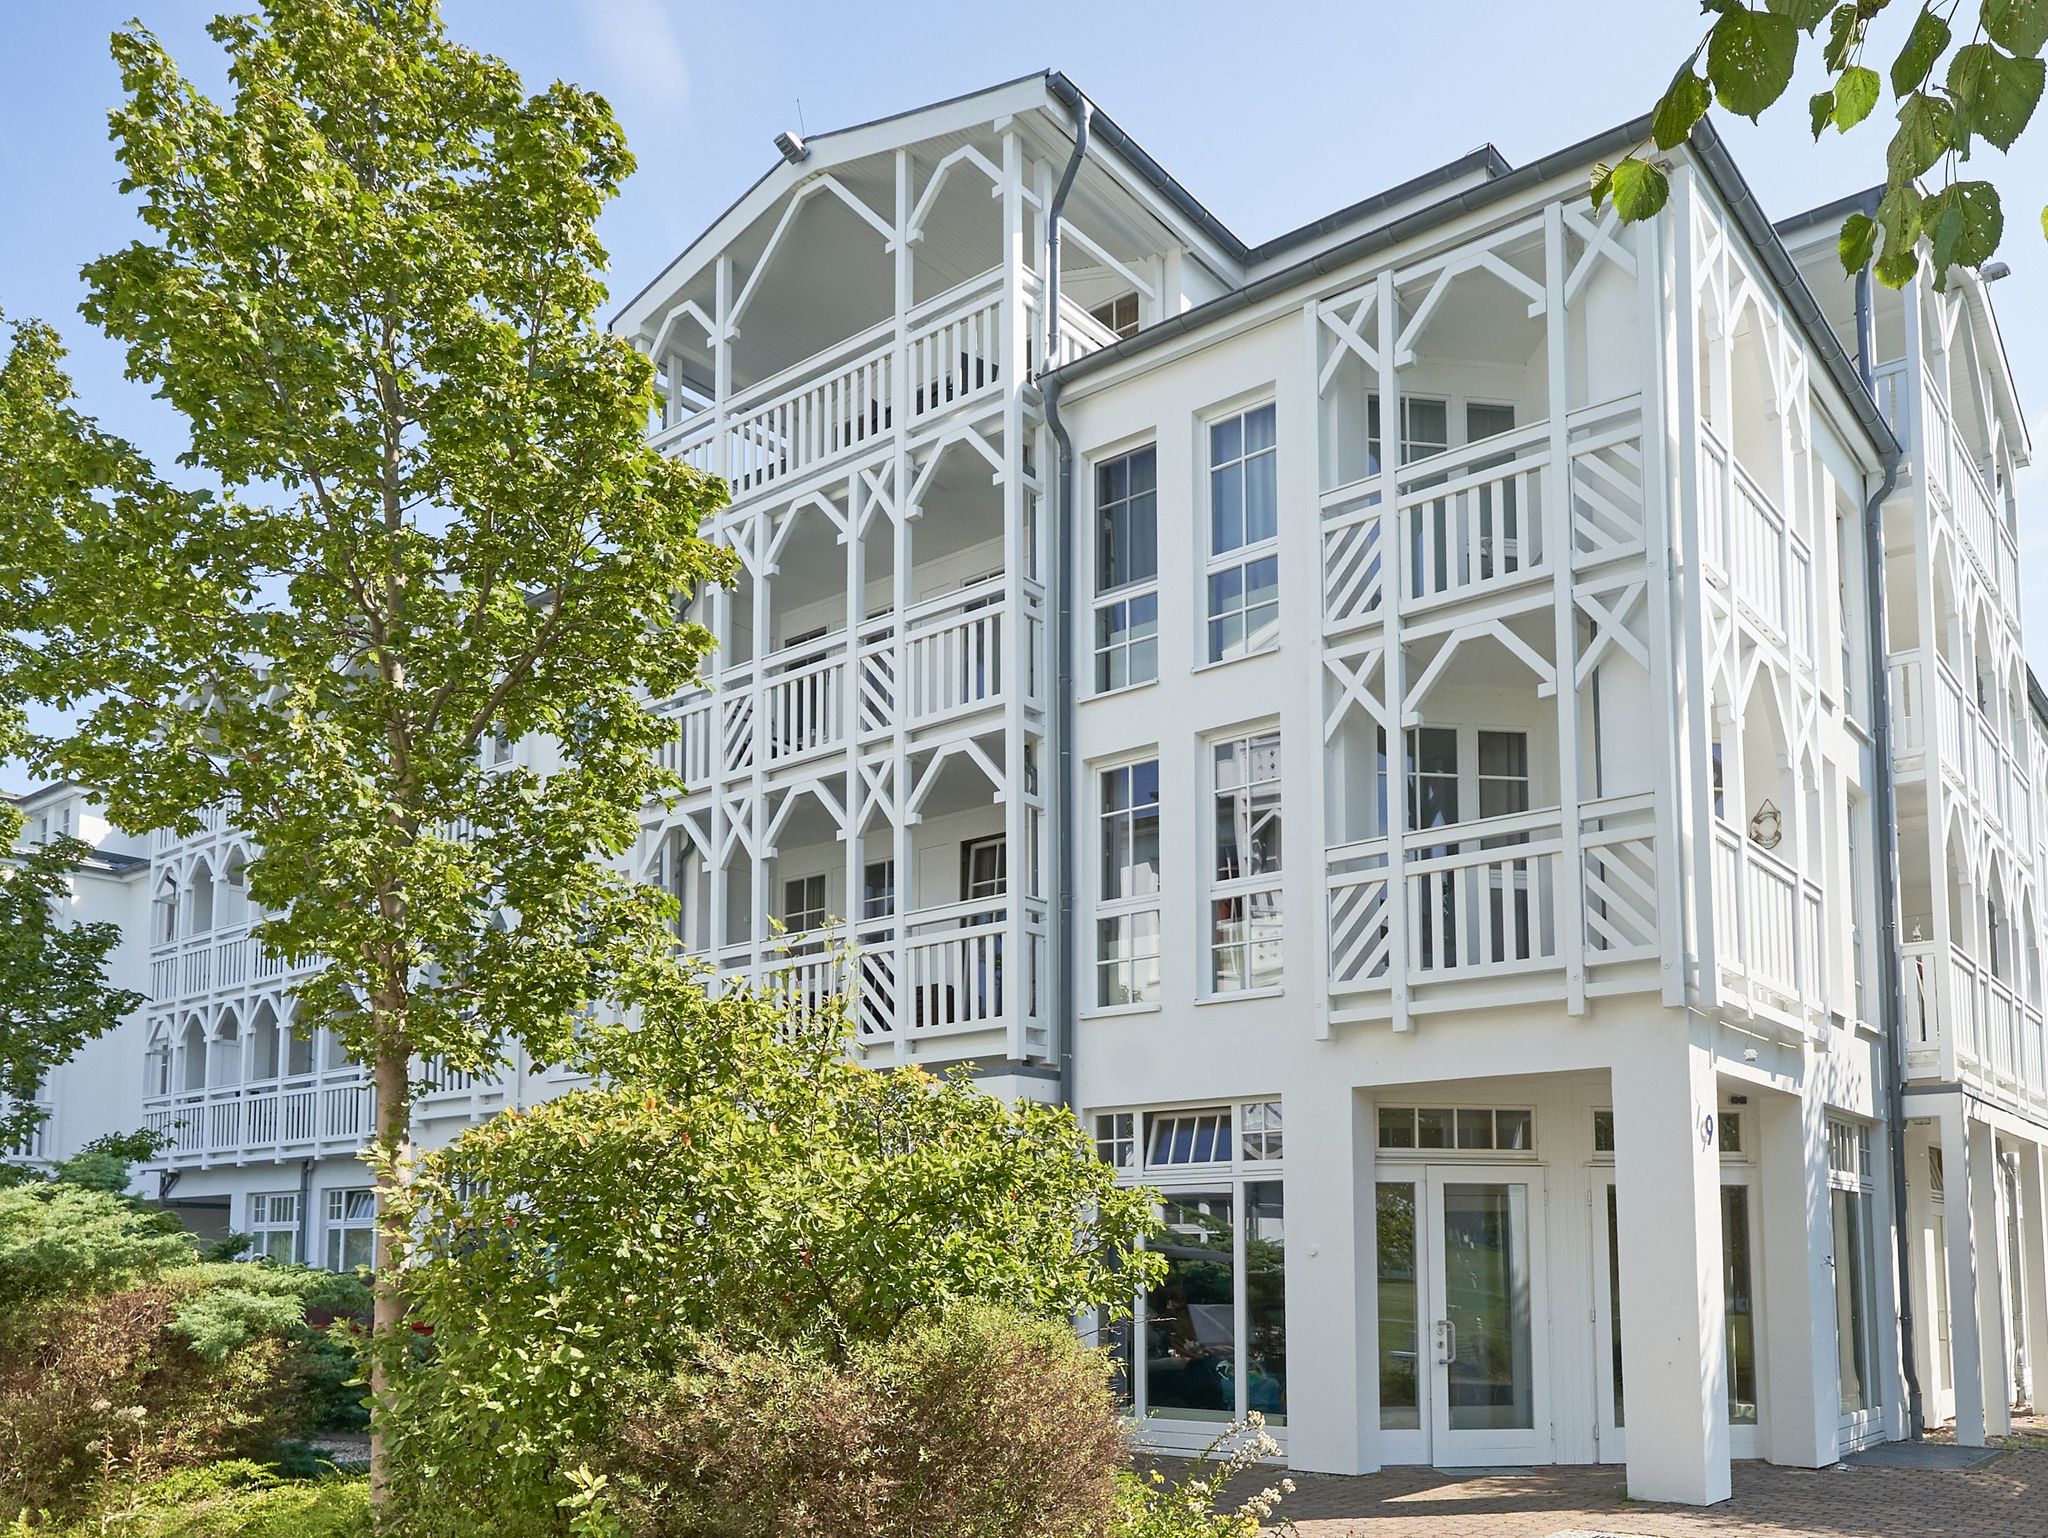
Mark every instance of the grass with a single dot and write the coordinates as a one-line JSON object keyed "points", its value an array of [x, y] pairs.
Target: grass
{"points": [[228, 1500]]}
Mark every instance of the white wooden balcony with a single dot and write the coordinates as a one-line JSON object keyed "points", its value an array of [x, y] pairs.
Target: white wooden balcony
{"points": [[221, 961], [1932, 712], [1483, 899], [1470, 522], [1964, 1022], [955, 970], [843, 401], [1751, 549], [1769, 943], [959, 656], [301, 1116]]}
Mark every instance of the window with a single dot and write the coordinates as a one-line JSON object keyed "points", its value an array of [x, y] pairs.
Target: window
{"points": [[1503, 773], [803, 904], [1218, 1271], [1244, 568], [274, 1224], [1261, 1129], [1127, 911], [1188, 1137], [1603, 1132], [1854, 1262], [1119, 315], [983, 869], [497, 749], [1127, 570], [1116, 1142], [351, 1228], [1425, 429], [1467, 1129], [1244, 893], [878, 889]]}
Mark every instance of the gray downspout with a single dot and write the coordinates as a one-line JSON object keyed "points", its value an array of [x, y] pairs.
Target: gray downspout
{"points": [[306, 1215], [1062, 715], [1891, 1000]]}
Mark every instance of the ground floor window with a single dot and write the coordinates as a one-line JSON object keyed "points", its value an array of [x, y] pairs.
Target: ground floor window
{"points": [[1850, 1200], [274, 1226], [351, 1228]]}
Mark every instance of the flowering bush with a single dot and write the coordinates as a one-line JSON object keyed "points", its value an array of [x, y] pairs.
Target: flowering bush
{"points": [[1200, 1504]]}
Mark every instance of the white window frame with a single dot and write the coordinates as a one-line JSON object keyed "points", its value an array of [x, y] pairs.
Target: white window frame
{"points": [[1262, 887], [1247, 553], [348, 1210], [1132, 906], [1122, 596], [274, 1215], [804, 909]]}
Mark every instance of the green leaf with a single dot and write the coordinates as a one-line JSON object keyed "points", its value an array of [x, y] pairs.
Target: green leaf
{"points": [[1899, 216], [1822, 108], [1639, 189], [1603, 184], [1967, 222], [1750, 55], [1855, 95], [1926, 129], [1924, 44], [1995, 94], [1684, 104], [1857, 243], [2020, 26], [1803, 14], [1845, 30]]}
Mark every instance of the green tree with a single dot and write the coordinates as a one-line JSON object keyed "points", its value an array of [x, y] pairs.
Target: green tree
{"points": [[734, 1179], [54, 995], [1958, 75], [370, 285]]}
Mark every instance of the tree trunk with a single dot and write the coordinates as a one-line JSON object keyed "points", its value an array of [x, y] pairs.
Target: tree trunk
{"points": [[392, 1077]]}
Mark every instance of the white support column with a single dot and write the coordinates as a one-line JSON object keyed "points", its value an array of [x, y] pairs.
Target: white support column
{"points": [[898, 512], [1333, 1395], [852, 836], [1967, 1363], [1557, 539], [2033, 1230], [1802, 1381], [721, 369], [1308, 578], [1993, 1321], [1017, 642], [1393, 601], [1668, 1194]]}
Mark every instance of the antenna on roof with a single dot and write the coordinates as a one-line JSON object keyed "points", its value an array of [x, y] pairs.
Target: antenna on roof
{"points": [[800, 118]]}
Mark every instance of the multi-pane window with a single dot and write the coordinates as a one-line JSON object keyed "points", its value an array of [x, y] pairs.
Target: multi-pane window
{"points": [[350, 1230], [1469, 1128], [878, 889], [1119, 314], [274, 1226], [1188, 1137], [1851, 1201], [983, 868], [803, 904], [1127, 569], [1243, 575], [1503, 773], [1425, 429], [1244, 892], [1261, 1132], [1116, 1139], [1127, 912]]}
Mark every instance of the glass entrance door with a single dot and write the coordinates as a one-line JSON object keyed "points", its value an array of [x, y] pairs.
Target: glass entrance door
{"points": [[1481, 1348]]}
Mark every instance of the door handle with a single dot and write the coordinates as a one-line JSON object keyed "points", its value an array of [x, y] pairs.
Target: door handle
{"points": [[1446, 1342]]}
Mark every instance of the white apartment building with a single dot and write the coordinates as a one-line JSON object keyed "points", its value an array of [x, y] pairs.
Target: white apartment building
{"points": [[1547, 1088]]}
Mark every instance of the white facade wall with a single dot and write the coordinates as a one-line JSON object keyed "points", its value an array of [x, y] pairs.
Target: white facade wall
{"points": [[1626, 999]]}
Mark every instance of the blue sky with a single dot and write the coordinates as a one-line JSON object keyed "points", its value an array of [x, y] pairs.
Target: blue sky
{"points": [[1273, 114]]}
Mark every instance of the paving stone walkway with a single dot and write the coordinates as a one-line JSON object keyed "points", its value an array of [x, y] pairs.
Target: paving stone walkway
{"points": [[2005, 1498]]}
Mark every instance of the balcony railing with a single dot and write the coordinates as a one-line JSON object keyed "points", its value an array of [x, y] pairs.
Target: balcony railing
{"points": [[34, 1147], [1767, 923], [1482, 898], [290, 1117], [1958, 1008], [1750, 546]]}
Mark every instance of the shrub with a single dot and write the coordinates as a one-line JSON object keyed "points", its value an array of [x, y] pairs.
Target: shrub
{"points": [[737, 1178], [1200, 1504], [977, 1423], [230, 1499]]}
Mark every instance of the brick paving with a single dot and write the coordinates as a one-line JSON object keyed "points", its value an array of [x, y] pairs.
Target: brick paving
{"points": [[2006, 1498]]}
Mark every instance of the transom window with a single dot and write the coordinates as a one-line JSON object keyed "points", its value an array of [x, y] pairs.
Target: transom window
{"points": [[1244, 894], [1188, 1137], [1116, 1139], [1248, 1132], [1127, 914], [1262, 1131], [1127, 569], [1243, 576], [1463, 1128]]}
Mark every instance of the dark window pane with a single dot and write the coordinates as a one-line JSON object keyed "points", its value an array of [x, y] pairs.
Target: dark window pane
{"points": [[1265, 1299], [1394, 1227], [1191, 1316]]}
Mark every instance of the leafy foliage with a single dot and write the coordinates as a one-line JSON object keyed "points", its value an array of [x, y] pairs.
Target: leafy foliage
{"points": [[1990, 89], [370, 283], [737, 1178], [1197, 1505], [233, 1498], [975, 1423], [54, 995]]}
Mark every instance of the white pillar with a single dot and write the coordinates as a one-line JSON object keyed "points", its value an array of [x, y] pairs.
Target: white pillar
{"points": [[1668, 1194], [1966, 1370], [1993, 1321], [1801, 1375], [1332, 1278], [2034, 1267]]}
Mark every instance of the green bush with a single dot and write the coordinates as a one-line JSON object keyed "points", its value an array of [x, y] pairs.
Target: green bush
{"points": [[122, 1356], [1201, 1504], [738, 1178], [232, 1499], [977, 1424]]}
